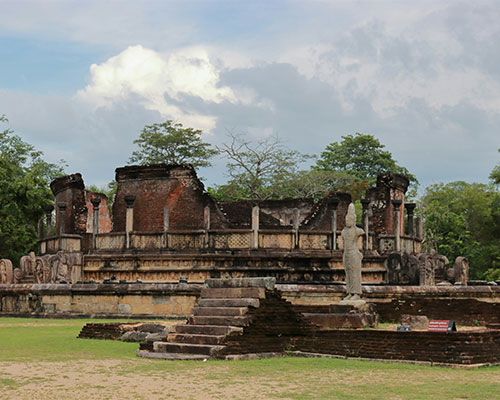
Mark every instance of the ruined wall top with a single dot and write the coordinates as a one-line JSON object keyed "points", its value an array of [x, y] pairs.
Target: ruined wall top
{"points": [[73, 181], [394, 181], [154, 171]]}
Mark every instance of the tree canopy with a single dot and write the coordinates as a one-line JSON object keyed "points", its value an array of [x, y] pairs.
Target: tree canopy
{"points": [[24, 179], [463, 219], [362, 156], [495, 174], [171, 143], [257, 170]]}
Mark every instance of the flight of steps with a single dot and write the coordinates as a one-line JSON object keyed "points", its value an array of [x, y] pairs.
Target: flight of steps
{"points": [[232, 316]]}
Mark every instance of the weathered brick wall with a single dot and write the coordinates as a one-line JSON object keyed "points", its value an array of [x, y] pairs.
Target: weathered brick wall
{"points": [[70, 189], [471, 347], [159, 186], [389, 187], [104, 215]]}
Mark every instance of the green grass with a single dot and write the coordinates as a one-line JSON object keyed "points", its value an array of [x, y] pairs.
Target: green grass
{"points": [[52, 344]]}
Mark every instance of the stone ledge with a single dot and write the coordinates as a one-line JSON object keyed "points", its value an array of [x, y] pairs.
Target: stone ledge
{"points": [[267, 283]]}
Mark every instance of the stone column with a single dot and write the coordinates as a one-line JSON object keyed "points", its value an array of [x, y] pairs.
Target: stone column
{"points": [[296, 225], [62, 218], [334, 203], [365, 203], [410, 207], [397, 225], [95, 203], [129, 218], [48, 219], [206, 221], [255, 227]]}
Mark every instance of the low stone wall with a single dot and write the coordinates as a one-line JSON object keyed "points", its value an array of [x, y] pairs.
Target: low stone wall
{"points": [[471, 305], [99, 300], [465, 348]]}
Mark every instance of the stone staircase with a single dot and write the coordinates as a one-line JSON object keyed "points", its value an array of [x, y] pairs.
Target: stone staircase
{"points": [[232, 316]]}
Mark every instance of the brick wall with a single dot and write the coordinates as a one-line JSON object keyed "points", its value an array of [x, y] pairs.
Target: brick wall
{"points": [[438, 347], [159, 186]]}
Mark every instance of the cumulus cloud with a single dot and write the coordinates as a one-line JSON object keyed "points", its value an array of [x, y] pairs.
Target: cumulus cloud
{"points": [[153, 78]]}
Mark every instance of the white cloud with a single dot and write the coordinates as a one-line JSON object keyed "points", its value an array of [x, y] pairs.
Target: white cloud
{"points": [[152, 77]]}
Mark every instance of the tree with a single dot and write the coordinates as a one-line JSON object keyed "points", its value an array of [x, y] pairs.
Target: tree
{"points": [[170, 143], [464, 219], [495, 174], [24, 179], [257, 170], [361, 156]]}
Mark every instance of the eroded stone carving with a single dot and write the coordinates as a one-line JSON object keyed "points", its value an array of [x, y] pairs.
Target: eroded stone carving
{"points": [[461, 270], [352, 256], [27, 264], [6, 273], [42, 270]]}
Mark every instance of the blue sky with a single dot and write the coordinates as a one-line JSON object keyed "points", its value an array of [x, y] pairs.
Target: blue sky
{"points": [[80, 79]]}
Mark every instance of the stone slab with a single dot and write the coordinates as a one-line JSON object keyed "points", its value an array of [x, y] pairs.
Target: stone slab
{"points": [[230, 293], [265, 282]]}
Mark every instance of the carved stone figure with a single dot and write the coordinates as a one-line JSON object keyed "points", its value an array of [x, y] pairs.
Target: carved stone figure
{"points": [[426, 270], [6, 271], [461, 270], [352, 256], [42, 270], [27, 264]]}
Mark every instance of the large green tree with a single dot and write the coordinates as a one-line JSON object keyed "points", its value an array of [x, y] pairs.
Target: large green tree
{"points": [[464, 219], [258, 170], [171, 143], [362, 156], [24, 179]]}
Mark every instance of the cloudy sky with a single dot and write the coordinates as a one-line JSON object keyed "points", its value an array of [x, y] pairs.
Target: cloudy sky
{"points": [[79, 79]]}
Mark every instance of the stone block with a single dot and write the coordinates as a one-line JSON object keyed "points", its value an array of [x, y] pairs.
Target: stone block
{"points": [[416, 322], [267, 283], [124, 308], [227, 293]]}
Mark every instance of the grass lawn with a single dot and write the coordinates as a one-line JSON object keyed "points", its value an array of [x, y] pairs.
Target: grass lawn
{"points": [[42, 358]]}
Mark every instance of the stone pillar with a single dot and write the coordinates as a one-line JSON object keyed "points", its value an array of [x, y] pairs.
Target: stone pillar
{"points": [[206, 222], [334, 203], [397, 225], [255, 227], [62, 218], [410, 207], [365, 203], [296, 225], [48, 219], [129, 218], [95, 203], [420, 227]]}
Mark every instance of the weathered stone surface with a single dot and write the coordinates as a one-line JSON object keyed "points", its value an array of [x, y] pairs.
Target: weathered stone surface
{"points": [[228, 303], [206, 329], [134, 336], [6, 271], [416, 322], [219, 311], [228, 293], [158, 336], [150, 328], [266, 283]]}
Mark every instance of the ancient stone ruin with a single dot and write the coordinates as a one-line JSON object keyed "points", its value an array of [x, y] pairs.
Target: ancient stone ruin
{"points": [[165, 226]]}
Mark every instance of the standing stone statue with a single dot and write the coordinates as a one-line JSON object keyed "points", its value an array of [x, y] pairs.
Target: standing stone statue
{"points": [[352, 256]]}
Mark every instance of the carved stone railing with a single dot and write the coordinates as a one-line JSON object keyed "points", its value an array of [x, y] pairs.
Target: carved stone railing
{"points": [[230, 239], [64, 242]]}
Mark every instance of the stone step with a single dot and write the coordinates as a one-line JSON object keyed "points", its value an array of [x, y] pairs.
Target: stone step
{"points": [[219, 320], [172, 356], [229, 303], [220, 311], [205, 349], [206, 329], [195, 339], [231, 293]]}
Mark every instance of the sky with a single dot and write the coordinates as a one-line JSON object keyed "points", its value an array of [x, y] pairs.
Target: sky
{"points": [[80, 79]]}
